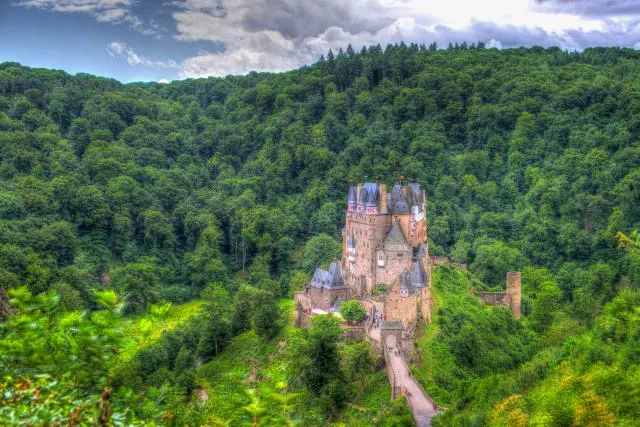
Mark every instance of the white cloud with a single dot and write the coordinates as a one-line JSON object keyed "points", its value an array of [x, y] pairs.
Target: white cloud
{"points": [[119, 49], [163, 81], [494, 43], [109, 11], [275, 35]]}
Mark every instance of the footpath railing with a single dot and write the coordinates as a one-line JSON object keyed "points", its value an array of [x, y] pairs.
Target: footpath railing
{"points": [[390, 374]]}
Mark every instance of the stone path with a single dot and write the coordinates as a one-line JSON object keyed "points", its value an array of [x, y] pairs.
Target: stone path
{"points": [[421, 404]]}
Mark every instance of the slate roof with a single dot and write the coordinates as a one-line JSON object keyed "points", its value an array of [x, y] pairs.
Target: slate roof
{"points": [[399, 199], [418, 275], [415, 194], [391, 324], [369, 194], [397, 202], [413, 279], [331, 279], [395, 240], [353, 194]]}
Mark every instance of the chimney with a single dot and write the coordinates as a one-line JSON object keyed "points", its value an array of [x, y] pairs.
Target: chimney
{"points": [[514, 293], [383, 199]]}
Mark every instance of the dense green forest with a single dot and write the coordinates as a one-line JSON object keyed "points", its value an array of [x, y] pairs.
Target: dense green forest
{"points": [[116, 198]]}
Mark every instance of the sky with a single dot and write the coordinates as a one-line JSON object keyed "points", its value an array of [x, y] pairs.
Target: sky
{"points": [[165, 40]]}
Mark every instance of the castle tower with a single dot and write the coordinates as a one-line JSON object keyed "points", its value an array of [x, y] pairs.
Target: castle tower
{"points": [[385, 240], [383, 199], [513, 295]]}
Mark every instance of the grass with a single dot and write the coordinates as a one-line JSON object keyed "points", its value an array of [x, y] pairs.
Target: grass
{"points": [[252, 377], [145, 329], [249, 371], [466, 354], [374, 406]]}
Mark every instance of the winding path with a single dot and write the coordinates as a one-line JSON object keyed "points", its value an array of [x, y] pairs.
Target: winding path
{"points": [[421, 404]]}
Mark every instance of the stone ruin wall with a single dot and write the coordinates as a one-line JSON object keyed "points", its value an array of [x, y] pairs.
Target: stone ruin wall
{"points": [[514, 293], [511, 298], [445, 261], [492, 298]]}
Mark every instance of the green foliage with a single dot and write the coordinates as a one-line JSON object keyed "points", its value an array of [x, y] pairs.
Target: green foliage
{"points": [[209, 175], [252, 377], [257, 309], [546, 304], [139, 282], [56, 364], [494, 259], [46, 401], [297, 281], [70, 298], [161, 190], [318, 360], [266, 314], [352, 311], [555, 373], [319, 251], [215, 324], [358, 363]]}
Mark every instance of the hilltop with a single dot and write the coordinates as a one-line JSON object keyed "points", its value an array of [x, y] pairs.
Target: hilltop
{"points": [[232, 191]]}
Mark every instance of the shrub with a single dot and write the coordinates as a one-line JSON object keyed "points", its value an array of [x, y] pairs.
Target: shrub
{"points": [[352, 311]]}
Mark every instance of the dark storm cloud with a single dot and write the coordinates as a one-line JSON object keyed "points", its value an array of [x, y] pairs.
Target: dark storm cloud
{"points": [[238, 36], [295, 19], [591, 8]]}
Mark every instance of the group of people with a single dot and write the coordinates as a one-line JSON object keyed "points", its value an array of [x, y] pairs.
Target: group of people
{"points": [[377, 319]]}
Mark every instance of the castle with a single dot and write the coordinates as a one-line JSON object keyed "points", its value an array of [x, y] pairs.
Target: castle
{"points": [[386, 266], [385, 250], [385, 261]]}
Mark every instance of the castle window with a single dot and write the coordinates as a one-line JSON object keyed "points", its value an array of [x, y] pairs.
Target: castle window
{"points": [[400, 254]]}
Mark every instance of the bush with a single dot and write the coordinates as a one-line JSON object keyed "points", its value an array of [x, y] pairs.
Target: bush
{"points": [[176, 294], [352, 311]]}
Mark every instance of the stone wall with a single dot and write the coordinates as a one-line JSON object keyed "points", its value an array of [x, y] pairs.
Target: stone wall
{"points": [[445, 261], [324, 298], [303, 319], [395, 263], [302, 301], [321, 298], [492, 298], [363, 228], [404, 309], [511, 297], [354, 333], [426, 304], [514, 293]]}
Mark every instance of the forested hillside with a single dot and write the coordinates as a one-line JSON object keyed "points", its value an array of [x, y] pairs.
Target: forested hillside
{"points": [[118, 196]]}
